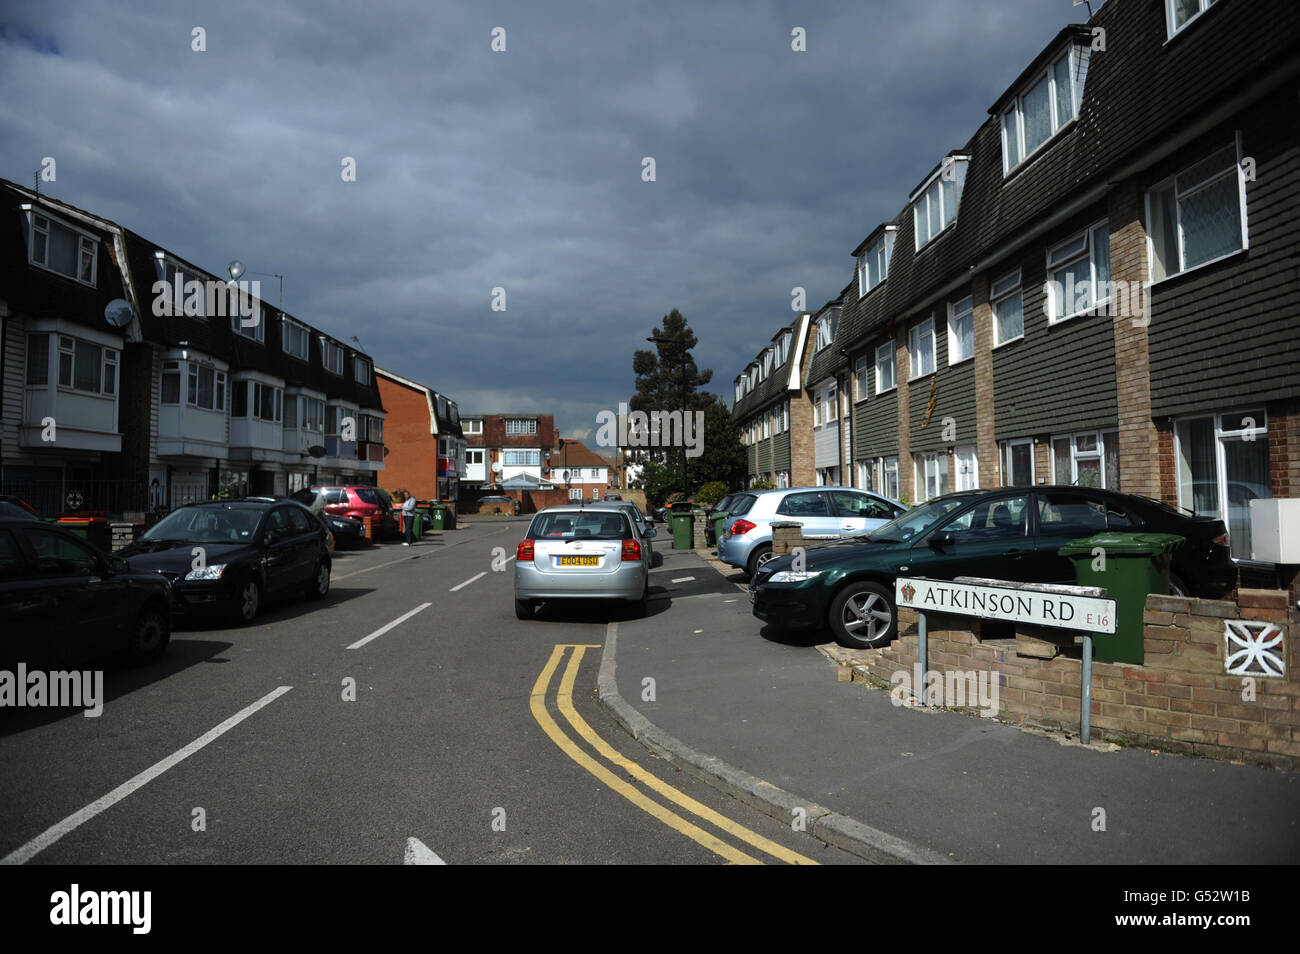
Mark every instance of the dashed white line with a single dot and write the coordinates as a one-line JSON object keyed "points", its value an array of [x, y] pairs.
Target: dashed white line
{"points": [[467, 582], [386, 627], [55, 832], [418, 853], [683, 579]]}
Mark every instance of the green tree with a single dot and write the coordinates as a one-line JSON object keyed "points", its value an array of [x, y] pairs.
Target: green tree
{"points": [[667, 380], [723, 457]]}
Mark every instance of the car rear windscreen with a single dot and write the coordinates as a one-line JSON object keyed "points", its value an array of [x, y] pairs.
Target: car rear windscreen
{"points": [[742, 505], [579, 525], [369, 495]]}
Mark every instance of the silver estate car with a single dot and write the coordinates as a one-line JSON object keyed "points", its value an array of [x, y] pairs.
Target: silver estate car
{"points": [[573, 552], [824, 512]]}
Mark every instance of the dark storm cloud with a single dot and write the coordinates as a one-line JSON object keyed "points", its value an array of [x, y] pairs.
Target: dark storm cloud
{"points": [[519, 169]]}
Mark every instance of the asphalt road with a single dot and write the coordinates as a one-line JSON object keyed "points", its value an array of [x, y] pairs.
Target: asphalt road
{"points": [[470, 736]]}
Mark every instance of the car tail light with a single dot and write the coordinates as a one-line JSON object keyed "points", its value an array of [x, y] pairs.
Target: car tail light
{"points": [[631, 551], [524, 552], [741, 527], [1223, 540]]}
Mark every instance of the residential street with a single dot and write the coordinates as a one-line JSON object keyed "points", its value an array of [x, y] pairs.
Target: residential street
{"points": [[441, 737]]}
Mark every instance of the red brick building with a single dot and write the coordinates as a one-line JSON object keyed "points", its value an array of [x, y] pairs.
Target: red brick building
{"points": [[501, 446], [426, 447]]}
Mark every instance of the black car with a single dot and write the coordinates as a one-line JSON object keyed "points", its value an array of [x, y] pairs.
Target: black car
{"points": [[17, 509], [226, 556], [1008, 534], [62, 600], [347, 532]]}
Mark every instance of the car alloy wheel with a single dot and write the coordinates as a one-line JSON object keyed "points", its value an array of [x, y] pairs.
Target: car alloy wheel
{"points": [[761, 556], [862, 616], [151, 634], [247, 601], [319, 586]]}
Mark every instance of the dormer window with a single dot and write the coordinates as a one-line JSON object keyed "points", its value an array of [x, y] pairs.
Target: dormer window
{"points": [[61, 248], [783, 349], [873, 264], [767, 362], [294, 337], [825, 332], [256, 330], [361, 371], [1042, 107], [331, 353], [937, 200]]}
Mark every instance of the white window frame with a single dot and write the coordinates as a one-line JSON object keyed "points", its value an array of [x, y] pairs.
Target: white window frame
{"points": [[1260, 430], [933, 192], [861, 378], [921, 474], [471, 428], [330, 350], [362, 372], [521, 425], [108, 358], [958, 311], [891, 364], [469, 457], [1172, 181], [290, 328], [1003, 290], [1004, 460], [87, 245], [255, 332], [1171, 29], [1089, 251], [965, 478], [825, 333], [873, 264], [1072, 55], [914, 336]]}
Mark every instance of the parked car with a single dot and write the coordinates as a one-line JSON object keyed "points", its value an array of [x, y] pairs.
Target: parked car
{"points": [[644, 528], [1008, 534], [721, 507], [16, 508], [62, 600], [823, 513], [503, 502], [250, 549], [345, 532], [581, 553], [357, 503]]}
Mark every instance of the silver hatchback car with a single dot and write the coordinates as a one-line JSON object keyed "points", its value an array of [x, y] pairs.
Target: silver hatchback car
{"points": [[824, 513], [573, 552]]}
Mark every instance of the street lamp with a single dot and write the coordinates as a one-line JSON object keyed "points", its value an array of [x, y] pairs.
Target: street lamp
{"points": [[236, 268], [659, 339]]}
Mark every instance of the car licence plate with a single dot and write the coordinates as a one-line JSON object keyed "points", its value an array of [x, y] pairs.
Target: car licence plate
{"points": [[579, 561]]}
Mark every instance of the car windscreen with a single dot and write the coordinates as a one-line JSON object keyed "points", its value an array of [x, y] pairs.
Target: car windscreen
{"points": [[579, 525], [15, 512], [917, 521], [207, 525]]}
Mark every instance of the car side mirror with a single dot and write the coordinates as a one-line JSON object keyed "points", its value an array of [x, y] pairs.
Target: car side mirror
{"points": [[941, 541]]}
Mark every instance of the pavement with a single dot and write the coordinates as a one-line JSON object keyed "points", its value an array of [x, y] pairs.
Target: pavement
{"points": [[763, 717]]}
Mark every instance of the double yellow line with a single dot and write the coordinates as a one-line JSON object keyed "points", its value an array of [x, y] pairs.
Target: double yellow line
{"points": [[564, 702]]}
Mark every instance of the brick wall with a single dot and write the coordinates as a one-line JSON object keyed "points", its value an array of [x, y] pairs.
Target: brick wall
{"points": [[803, 472], [1181, 699], [412, 461], [1138, 467], [906, 485], [985, 434]]}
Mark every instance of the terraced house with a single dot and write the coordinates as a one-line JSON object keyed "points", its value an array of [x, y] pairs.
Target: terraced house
{"points": [[775, 422], [1099, 286], [160, 399]]}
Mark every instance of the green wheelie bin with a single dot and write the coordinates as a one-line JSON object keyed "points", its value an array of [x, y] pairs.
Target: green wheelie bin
{"points": [[682, 522], [1128, 566]]}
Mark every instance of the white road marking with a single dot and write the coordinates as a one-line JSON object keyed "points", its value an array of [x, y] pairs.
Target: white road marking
{"points": [[467, 582], [55, 832], [412, 556], [387, 626], [418, 853], [683, 579]]}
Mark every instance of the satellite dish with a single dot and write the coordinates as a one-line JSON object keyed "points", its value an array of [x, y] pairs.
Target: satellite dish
{"points": [[235, 269], [316, 450], [118, 312], [496, 467]]}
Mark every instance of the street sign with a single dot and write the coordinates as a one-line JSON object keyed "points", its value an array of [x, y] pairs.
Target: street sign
{"points": [[1063, 607]]}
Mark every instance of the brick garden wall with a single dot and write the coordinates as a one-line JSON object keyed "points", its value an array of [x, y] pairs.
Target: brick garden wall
{"points": [[1180, 700]]}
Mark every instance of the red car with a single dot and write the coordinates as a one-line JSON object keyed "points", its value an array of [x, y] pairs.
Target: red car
{"points": [[359, 503]]}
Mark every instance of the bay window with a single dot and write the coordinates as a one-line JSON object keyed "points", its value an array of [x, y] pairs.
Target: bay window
{"points": [[83, 366]]}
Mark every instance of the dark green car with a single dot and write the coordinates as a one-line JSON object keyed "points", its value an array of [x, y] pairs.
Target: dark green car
{"points": [[1011, 534]]}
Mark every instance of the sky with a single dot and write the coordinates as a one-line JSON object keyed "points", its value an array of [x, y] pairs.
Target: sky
{"points": [[520, 169]]}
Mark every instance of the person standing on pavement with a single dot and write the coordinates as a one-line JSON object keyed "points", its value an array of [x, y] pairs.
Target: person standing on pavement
{"points": [[408, 519]]}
